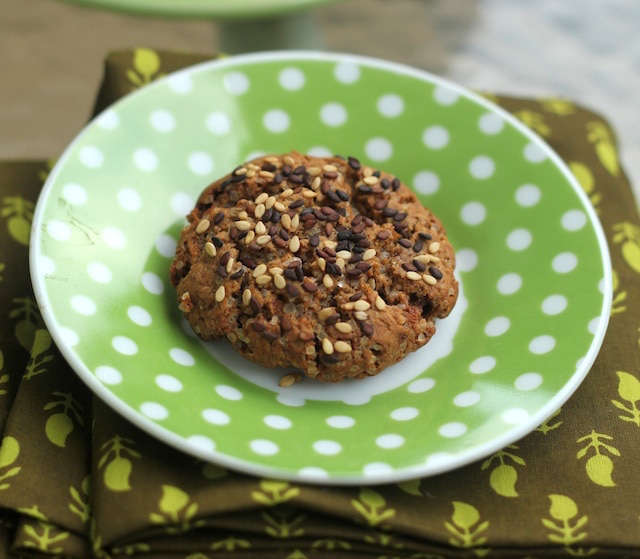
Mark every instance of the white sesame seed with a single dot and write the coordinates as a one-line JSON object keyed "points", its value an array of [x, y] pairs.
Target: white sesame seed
{"points": [[344, 327], [261, 228], [325, 313], [266, 174], [262, 197], [279, 281], [342, 347], [286, 193], [259, 270], [368, 254], [327, 281], [344, 254], [413, 276], [327, 346], [294, 244], [322, 263], [380, 303], [279, 206], [263, 279], [210, 248], [246, 297], [295, 221], [309, 194], [263, 239], [242, 214], [370, 180], [230, 264], [259, 211], [362, 305], [360, 316], [434, 247], [288, 160], [286, 221], [249, 237], [429, 279], [202, 226], [315, 183], [242, 225], [220, 293], [269, 202]]}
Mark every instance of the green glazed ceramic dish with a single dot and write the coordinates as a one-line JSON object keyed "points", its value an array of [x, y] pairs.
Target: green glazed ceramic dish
{"points": [[532, 262]]}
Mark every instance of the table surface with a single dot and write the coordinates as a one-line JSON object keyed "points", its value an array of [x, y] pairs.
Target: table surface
{"points": [[586, 50]]}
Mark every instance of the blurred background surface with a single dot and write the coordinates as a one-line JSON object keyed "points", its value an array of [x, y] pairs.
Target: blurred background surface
{"points": [[51, 56]]}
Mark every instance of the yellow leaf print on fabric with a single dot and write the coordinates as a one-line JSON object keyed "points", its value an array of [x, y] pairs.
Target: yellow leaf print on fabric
{"points": [[549, 424], [504, 476], [587, 181], [564, 528], [80, 505], [2, 268], [466, 528], [118, 465], [373, 507], [535, 121], [273, 493], [177, 512], [600, 136], [9, 453], [330, 544], [628, 390], [283, 523], [599, 466], [41, 344], [25, 310], [146, 67], [628, 235], [60, 425], [19, 214], [230, 544], [619, 296], [560, 107], [4, 378], [411, 486], [44, 537]]}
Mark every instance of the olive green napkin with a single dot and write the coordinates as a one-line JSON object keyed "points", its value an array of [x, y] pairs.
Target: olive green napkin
{"points": [[77, 480]]}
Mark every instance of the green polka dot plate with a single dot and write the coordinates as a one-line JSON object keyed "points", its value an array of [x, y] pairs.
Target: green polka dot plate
{"points": [[532, 262]]}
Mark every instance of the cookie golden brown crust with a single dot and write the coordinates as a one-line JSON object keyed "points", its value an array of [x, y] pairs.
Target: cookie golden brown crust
{"points": [[322, 264]]}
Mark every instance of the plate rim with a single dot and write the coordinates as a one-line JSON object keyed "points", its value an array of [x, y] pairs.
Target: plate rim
{"points": [[455, 461]]}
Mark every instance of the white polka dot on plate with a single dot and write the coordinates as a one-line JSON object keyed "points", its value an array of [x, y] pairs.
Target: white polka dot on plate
{"points": [[534, 153], [390, 105], [564, 262], [201, 443], [375, 469], [181, 203], [378, 149], [482, 167], [154, 410], [574, 220], [169, 383], [74, 193], [497, 326], [515, 416], [390, 440], [47, 265], [491, 124], [438, 459], [129, 199], [291, 79], [482, 365], [139, 316], [180, 83], [333, 114], [215, 417], [200, 163], [264, 447], [435, 137], [467, 399], [327, 447], [58, 230], [91, 156], [426, 182], [473, 213], [152, 283], [466, 259], [528, 381], [277, 422], [509, 284], [528, 195], [69, 336], [347, 72], [83, 305], [313, 473], [542, 344], [445, 95], [519, 239], [99, 272], [145, 159], [108, 375], [182, 357], [108, 120], [166, 245], [219, 123], [341, 421], [276, 121], [113, 237], [554, 304], [421, 385], [236, 83], [405, 414], [228, 392], [452, 430], [320, 151], [124, 345], [594, 324], [162, 120]]}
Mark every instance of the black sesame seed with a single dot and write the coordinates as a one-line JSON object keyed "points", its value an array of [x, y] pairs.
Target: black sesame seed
{"points": [[222, 271], [218, 218], [314, 241], [270, 336], [357, 295], [342, 195], [367, 329], [419, 244], [354, 163], [406, 243], [425, 236], [237, 274], [296, 203], [435, 272], [217, 242]]}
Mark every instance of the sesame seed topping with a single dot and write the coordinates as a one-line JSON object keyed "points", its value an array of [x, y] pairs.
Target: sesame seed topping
{"points": [[259, 270], [360, 316], [263, 279], [327, 281], [368, 254], [380, 303], [279, 281], [260, 228], [413, 276], [327, 346], [289, 380], [263, 239], [309, 193], [259, 211], [246, 297], [202, 226], [262, 198], [242, 225], [429, 279], [434, 247], [288, 160], [362, 305], [210, 248], [294, 244], [342, 347], [325, 313], [230, 264], [344, 327], [220, 293], [371, 180]]}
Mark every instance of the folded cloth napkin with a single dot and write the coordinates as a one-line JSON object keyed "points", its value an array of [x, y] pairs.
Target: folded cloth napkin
{"points": [[77, 480]]}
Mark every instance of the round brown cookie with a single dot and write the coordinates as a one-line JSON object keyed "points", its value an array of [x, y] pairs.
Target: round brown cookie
{"points": [[323, 264]]}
